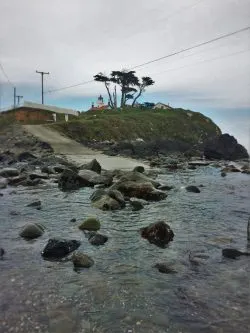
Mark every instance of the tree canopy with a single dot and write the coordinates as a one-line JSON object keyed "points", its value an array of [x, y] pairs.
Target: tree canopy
{"points": [[131, 86]]}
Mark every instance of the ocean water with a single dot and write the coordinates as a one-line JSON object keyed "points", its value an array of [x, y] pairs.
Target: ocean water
{"points": [[123, 292]]}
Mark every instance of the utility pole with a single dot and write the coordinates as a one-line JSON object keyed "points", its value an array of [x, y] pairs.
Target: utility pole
{"points": [[18, 98], [42, 74], [14, 97]]}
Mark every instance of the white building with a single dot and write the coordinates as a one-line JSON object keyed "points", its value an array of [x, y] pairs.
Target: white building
{"points": [[162, 106]]}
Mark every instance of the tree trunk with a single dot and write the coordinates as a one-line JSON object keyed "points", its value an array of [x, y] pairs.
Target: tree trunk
{"points": [[136, 97], [110, 97]]}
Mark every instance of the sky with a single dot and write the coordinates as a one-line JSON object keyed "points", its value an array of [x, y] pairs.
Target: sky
{"points": [[74, 40]]}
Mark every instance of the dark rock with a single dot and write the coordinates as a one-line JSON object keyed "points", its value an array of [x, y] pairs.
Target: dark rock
{"points": [[191, 167], [97, 194], [73, 220], [59, 248], [198, 163], [192, 188], [70, 180], [26, 156], [158, 233], [14, 213], [94, 165], [94, 178], [137, 204], [91, 224], [139, 168], [105, 202], [1, 194], [2, 252], [225, 147], [97, 239], [164, 268], [117, 195], [36, 203], [45, 145], [165, 187], [9, 172], [31, 231], [36, 175], [230, 168], [223, 174], [233, 253], [15, 181], [82, 260]]}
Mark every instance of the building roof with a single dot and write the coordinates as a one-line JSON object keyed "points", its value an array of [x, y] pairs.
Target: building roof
{"points": [[168, 106]]}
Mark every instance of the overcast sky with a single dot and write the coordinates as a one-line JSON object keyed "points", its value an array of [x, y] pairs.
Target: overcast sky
{"points": [[73, 40]]}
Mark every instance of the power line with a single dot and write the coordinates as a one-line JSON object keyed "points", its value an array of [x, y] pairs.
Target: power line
{"points": [[200, 62], [6, 76], [192, 47], [67, 87]]}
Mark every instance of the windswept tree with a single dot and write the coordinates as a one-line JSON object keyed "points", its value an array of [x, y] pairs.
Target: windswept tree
{"points": [[130, 85]]}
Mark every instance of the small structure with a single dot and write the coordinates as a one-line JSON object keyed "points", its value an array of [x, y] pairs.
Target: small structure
{"points": [[162, 106], [39, 113], [100, 105]]}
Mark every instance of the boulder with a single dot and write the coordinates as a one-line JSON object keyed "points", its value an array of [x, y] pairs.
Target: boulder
{"points": [[225, 147], [230, 168], [223, 174], [70, 180], [141, 190], [94, 178], [117, 195], [139, 178], [82, 260], [91, 224], [9, 172], [31, 231], [139, 168], [3, 182], [26, 156], [158, 233], [18, 180], [96, 239], [106, 203], [93, 165], [36, 175], [192, 188], [59, 248], [165, 187], [137, 204], [233, 253], [164, 268]]}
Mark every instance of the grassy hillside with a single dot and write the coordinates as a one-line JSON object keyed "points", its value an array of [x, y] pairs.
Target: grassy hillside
{"points": [[130, 124]]}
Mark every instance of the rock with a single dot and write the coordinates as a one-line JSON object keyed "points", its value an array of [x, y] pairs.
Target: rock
{"points": [[225, 147], [94, 165], [192, 188], [3, 183], [141, 190], [230, 168], [94, 178], [70, 180], [36, 175], [223, 174], [137, 204], [91, 224], [233, 253], [31, 231], [18, 180], [82, 260], [198, 163], [96, 239], [9, 172], [1, 194], [14, 213], [139, 168], [246, 171], [73, 220], [36, 203], [158, 233], [191, 167], [26, 156], [2, 252], [139, 178], [59, 248], [97, 194], [106, 203], [165, 187], [117, 195], [164, 268]]}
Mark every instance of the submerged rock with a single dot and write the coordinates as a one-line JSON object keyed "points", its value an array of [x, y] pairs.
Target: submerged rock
{"points": [[82, 260], [97, 239], [31, 231], [91, 224], [137, 204], [192, 188], [164, 268], [233, 253], [139, 168], [59, 248], [2, 252], [158, 233], [36, 203]]}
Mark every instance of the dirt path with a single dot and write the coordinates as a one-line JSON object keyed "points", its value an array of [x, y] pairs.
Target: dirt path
{"points": [[77, 153]]}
